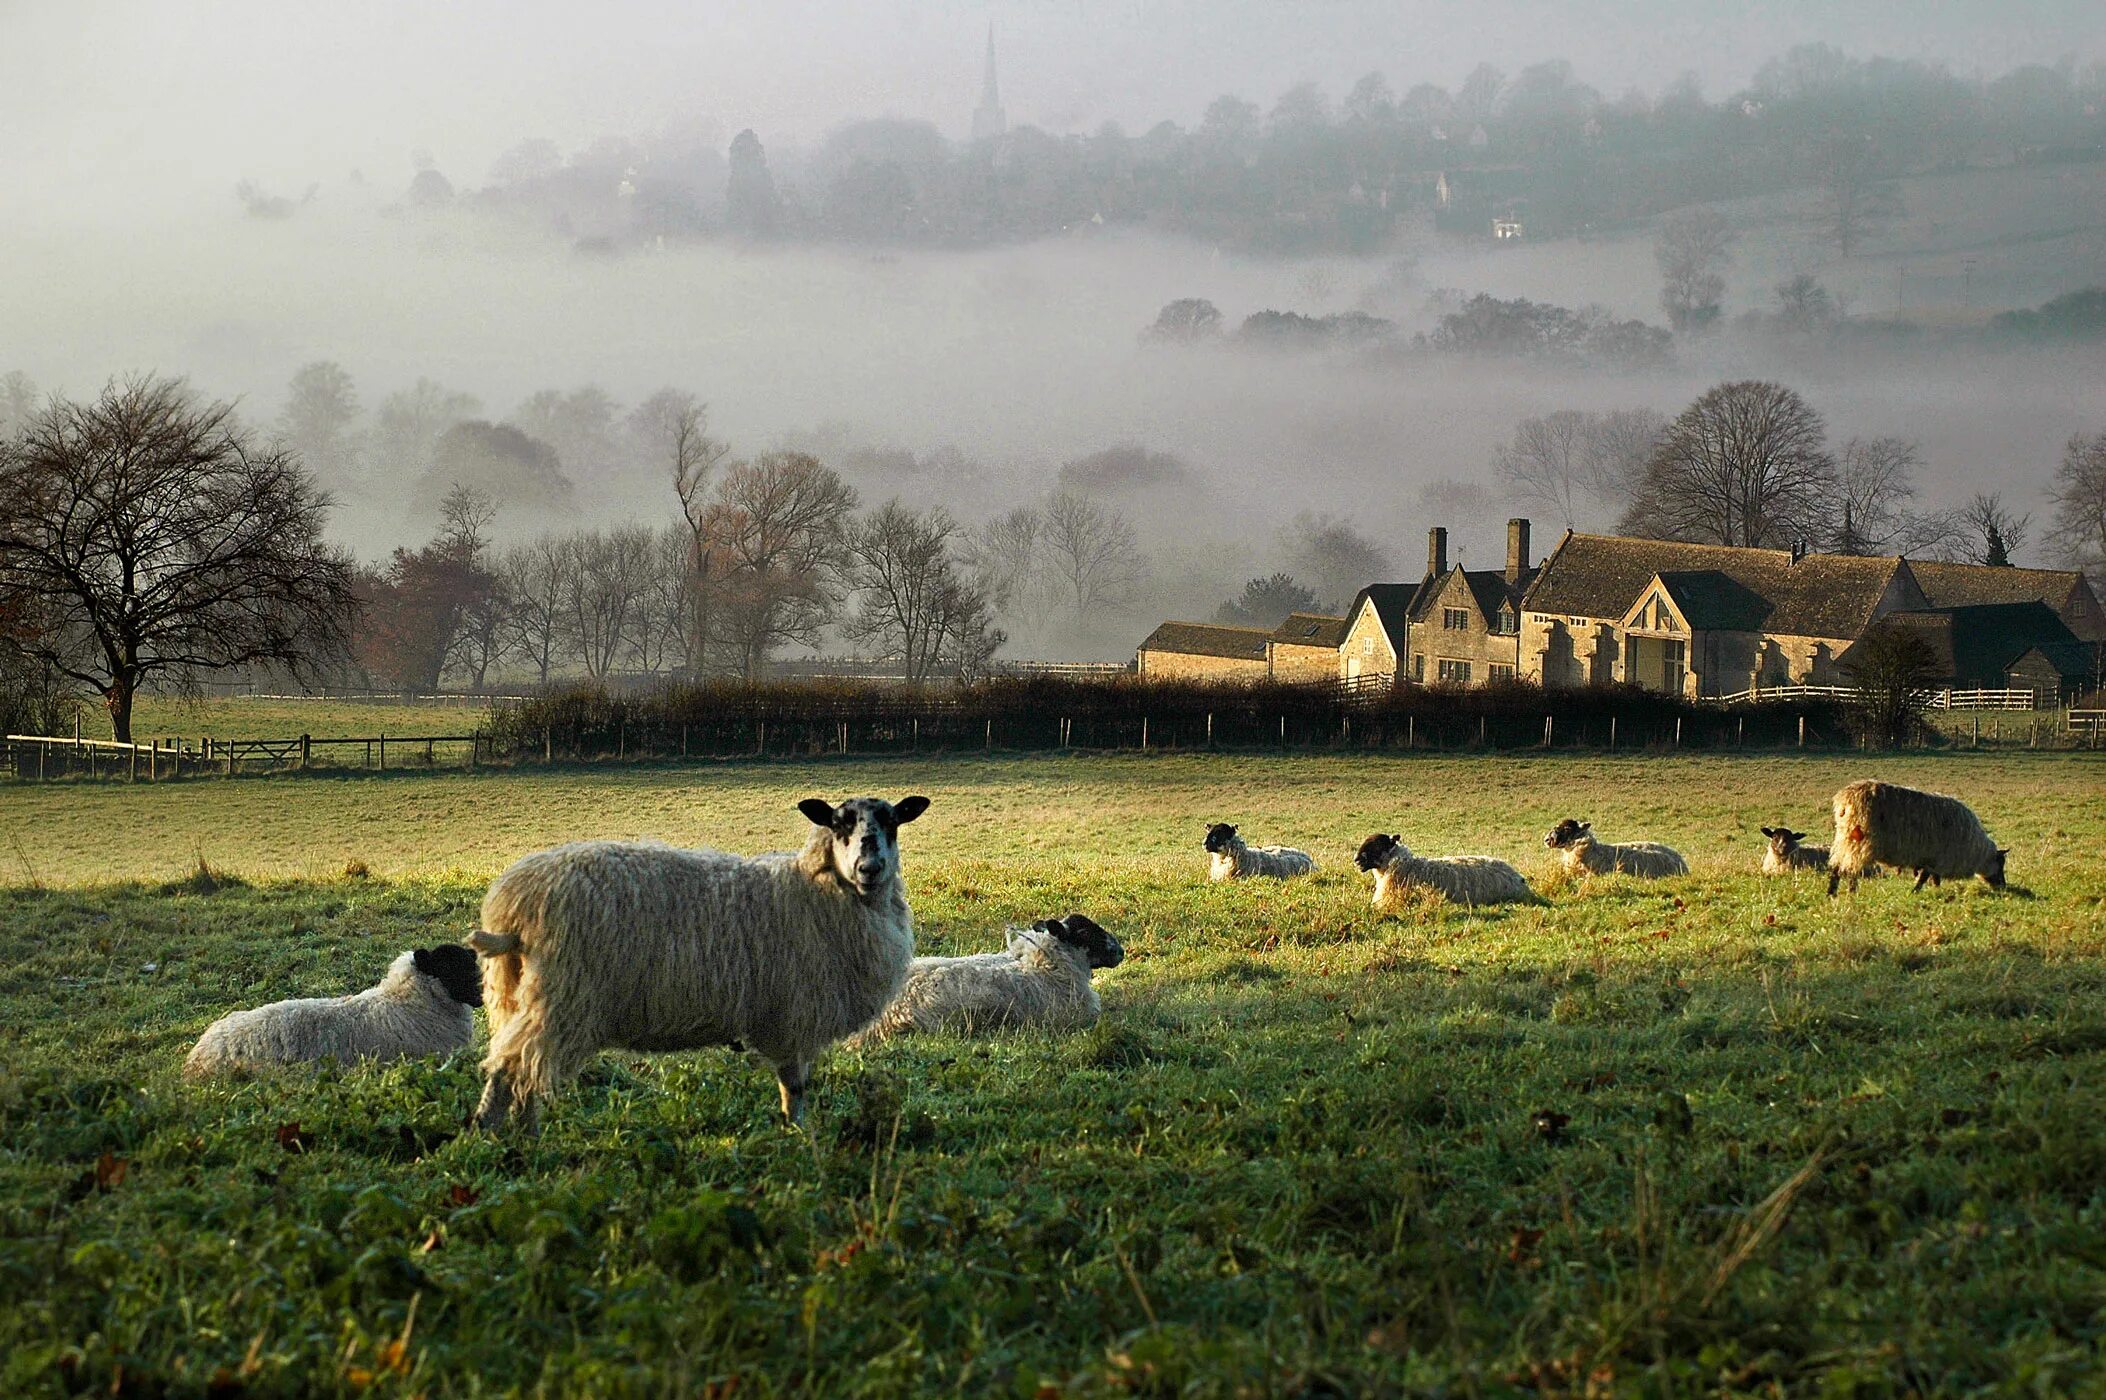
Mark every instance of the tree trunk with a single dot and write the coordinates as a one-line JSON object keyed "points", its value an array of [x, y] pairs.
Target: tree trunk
{"points": [[118, 700]]}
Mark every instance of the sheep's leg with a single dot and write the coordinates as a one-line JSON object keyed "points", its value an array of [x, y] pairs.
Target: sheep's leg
{"points": [[1835, 878], [791, 1076], [496, 1103], [1921, 876]]}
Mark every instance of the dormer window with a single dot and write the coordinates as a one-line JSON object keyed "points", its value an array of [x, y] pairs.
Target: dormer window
{"points": [[1455, 620], [1507, 623]]}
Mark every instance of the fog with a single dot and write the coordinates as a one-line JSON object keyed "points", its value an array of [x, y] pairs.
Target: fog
{"points": [[133, 255]]}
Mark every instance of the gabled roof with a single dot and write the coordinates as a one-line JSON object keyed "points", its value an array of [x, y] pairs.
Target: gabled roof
{"points": [[1822, 595], [1713, 601], [1488, 587], [1393, 604], [1209, 639], [1311, 630], [1963, 585]]}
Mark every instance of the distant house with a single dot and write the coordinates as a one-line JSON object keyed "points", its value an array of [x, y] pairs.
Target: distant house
{"points": [[1700, 619], [1378, 632], [1205, 651], [1465, 624], [1506, 230], [1305, 648], [2066, 591], [2002, 646]]}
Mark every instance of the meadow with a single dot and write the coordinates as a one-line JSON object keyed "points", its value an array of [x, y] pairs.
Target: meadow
{"points": [[1716, 1134]]}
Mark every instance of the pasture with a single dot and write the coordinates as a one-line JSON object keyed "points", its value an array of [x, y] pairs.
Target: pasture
{"points": [[1716, 1134]]}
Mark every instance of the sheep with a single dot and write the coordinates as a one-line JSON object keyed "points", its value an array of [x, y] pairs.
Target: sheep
{"points": [[421, 1007], [1233, 860], [1459, 879], [1585, 853], [1927, 832], [1041, 978], [1786, 855], [643, 946]]}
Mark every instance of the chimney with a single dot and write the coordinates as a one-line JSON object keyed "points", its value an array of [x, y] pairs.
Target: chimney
{"points": [[1516, 549], [1436, 552]]}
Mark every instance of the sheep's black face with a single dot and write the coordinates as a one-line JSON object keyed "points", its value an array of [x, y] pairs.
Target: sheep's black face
{"points": [[865, 830], [1375, 851], [455, 968], [1218, 837], [1783, 840], [1565, 833], [1087, 934]]}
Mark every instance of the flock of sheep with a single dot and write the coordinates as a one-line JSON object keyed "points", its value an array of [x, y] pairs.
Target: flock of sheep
{"points": [[601, 945]]}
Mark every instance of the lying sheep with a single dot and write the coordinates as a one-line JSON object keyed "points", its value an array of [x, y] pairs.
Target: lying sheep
{"points": [[1233, 860], [1584, 853], [1927, 832], [420, 1008], [1459, 879], [1786, 856], [1041, 978], [641, 946]]}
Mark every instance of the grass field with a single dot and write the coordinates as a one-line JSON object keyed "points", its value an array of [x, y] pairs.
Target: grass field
{"points": [[1714, 1135], [240, 717]]}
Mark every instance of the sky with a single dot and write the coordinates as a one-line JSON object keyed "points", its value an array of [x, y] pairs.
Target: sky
{"points": [[103, 100]]}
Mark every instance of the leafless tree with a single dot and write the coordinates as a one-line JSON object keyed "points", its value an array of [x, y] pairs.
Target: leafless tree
{"points": [[609, 585], [159, 541], [674, 428], [535, 580], [464, 537], [1091, 556], [1693, 251], [1547, 462], [663, 632], [1336, 560], [1855, 199], [1007, 557], [1875, 483], [775, 530], [1992, 530], [913, 598], [18, 402], [409, 424], [2079, 494], [1804, 306], [321, 407], [1746, 464], [1618, 445]]}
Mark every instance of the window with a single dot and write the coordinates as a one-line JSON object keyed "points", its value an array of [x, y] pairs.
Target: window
{"points": [[1662, 621], [1674, 661], [1455, 620], [1367, 645], [1418, 668], [1455, 672], [1497, 672], [1506, 624]]}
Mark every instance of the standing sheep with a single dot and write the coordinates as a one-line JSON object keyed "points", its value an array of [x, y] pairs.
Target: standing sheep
{"points": [[1785, 855], [1459, 879], [1041, 978], [1927, 832], [643, 946], [1584, 853], [422, 1007], [1233, 860]]}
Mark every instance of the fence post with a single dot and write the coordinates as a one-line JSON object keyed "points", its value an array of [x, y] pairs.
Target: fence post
{"points": [[683, 738], [621, 738], [305, 742], [989, 744], [1411, 731], [1612, 733], [548, 745], [760, 738], [1481, 740], [1283, 731], [1210, 729], [917, 732], [1547, 730], [230, 758], [383, 751], [1144, 733], [1678, 731], [1740, 731], [135, 763], [844, 736], [76, 729], [41, 746], [475, 747]]}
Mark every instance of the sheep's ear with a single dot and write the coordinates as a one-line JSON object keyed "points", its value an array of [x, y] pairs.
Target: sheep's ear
{"points": [[908, 808], [1397, 838], [421, 960], [1769, 831], [1796, 835], [818, 810], [1053, 926]]}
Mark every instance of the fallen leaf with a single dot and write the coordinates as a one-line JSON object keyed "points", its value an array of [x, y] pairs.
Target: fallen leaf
{"points": [[1521, 1248], [292, 1139], [1550, 1124], [110, 1171], [462, 1196]]}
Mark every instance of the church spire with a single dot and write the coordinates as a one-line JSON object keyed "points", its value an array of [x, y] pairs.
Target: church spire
{"points": [[989, 120]]}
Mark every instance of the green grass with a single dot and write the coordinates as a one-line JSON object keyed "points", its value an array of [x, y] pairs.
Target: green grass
{"points": [[238, 717], [1711, 1135]]}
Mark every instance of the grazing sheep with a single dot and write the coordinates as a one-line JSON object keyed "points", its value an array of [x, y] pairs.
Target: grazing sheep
{"points": [[1786, 856], [1042, 978], [1584, 853], [1233, 860], [1927, 832], [642, 946], [1459, 879], [420, 1008]]}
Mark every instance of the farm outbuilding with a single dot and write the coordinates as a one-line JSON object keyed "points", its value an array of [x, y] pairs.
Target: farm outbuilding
{"points": [[1205, 651]]}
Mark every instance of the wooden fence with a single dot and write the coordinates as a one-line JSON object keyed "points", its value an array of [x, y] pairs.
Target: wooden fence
{"points": [[1932, 699], [37, 757]]}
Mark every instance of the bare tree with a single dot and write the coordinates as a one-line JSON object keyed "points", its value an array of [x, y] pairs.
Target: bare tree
{"points": [[913, 599], [18, 402], [609, 585], [464, 537], [1619, 444], [1992, 530], [160, 541], [1875, 484], [1855, 200], [674, 427], [2079, 494], [535, 579], [1090, 554], [321, 405], [1746, 464], [1337, 560], [1007, 556], [409, 424], [775, 529], [1804, 306], [1547, 462], [1693, 251]]}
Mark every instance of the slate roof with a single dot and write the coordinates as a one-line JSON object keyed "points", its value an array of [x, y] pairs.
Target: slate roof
{"points": [[1823, 595], [1488, 586], [1977, 646], [1393, 606], [1715, 601], [1964, 585], [1311, 630], [1209, 639]]}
